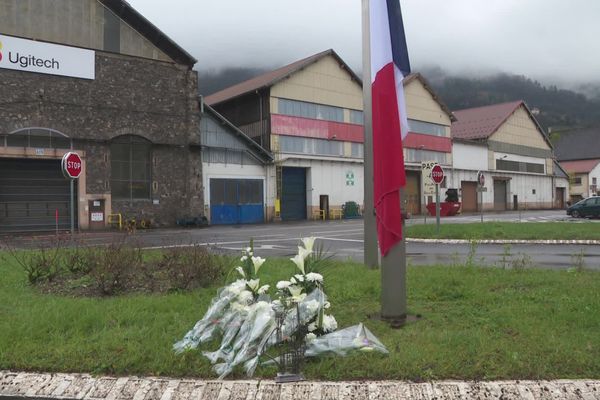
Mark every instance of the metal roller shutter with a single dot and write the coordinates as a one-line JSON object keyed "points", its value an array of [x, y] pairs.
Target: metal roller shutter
{"points": [[32, 192]]}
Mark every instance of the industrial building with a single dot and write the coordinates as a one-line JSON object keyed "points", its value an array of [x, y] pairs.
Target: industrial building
{"points": [[95, 77], [504, 142]]}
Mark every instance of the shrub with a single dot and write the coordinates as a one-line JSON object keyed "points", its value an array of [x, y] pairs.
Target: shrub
{"points": [[111, 266], [190, 267]]}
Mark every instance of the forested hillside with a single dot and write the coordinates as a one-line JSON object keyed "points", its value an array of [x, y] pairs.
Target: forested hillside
{"points": [[558, 108]]}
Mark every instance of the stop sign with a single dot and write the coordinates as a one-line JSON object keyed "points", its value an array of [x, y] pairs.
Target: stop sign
{"points": [[71, 165], [437, 174]]}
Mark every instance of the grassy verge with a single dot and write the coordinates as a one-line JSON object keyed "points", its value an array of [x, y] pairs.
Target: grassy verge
{"points": [[478, 324], [507, 230]]}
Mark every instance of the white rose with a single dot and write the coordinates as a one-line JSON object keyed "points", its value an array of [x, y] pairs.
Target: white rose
{"points": [[329, 323], [310, 337], [283, 285], [314, 277], [245, 296]]}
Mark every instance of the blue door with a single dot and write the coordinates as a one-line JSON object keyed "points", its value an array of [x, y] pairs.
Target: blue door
{"points": [[236, 201], [293, 193]]}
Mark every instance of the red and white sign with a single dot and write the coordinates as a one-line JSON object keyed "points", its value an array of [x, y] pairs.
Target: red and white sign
{"points": [[71, 165], [437, 174]]}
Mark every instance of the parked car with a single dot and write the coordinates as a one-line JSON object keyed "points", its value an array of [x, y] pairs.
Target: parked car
{"points": [[589, 207]]}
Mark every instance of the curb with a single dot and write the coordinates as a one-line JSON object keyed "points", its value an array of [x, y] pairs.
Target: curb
{"points": [[502, 241], [15, 385]]}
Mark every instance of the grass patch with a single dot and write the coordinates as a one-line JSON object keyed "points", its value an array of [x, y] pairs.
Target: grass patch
{"points": [[507, 230], [478, 324]]}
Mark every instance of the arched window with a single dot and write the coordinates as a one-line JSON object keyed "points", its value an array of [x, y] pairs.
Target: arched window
{"points": [[41, 138], [131, 168]]}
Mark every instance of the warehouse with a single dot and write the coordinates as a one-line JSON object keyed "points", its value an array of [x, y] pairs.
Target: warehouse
{"points": [[507, 145], [95, 77]]}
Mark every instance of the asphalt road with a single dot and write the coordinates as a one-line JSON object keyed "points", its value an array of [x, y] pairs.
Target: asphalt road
{"points": [[344, 239]]}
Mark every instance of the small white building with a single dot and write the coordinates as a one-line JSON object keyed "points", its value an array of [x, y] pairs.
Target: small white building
{"points": [[234, 172], [584, 176], [505, 142]]}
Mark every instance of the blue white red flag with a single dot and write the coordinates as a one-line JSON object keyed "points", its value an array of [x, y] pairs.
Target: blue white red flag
{"points": [[389, 66]]}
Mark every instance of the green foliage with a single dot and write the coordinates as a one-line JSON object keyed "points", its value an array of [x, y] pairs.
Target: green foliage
{"points": [[558, 107]]}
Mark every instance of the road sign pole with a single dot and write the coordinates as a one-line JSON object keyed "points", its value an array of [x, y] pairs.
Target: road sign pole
{"points": [[437, 208], [72, 207], [481, 205]]}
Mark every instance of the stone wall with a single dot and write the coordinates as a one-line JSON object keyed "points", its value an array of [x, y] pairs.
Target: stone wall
{"points": [[134, 96]]}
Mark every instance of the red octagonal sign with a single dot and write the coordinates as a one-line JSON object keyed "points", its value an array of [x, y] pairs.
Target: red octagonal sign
{"points": [[71, 165], [437, 174]]}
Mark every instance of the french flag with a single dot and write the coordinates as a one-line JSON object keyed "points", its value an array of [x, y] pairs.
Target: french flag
{"points": [[389, 66]]}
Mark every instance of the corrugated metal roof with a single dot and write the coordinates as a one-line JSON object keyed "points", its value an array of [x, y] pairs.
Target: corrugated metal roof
{"points": [[138, 22], [577, 144], [270, 78], [579, 166], [482, 122]]}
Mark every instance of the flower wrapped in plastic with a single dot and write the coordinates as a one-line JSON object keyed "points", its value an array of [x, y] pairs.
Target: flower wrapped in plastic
{"points": [[353, 338]]}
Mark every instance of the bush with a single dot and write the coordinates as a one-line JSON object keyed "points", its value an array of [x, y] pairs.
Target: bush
{"points": [[190, 267], [110, 267]]}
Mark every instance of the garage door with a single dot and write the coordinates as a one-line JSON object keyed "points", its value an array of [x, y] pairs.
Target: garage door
{"points": [[236, 201], [469, 196], [293, 194], [412, 192], [32, 193]]}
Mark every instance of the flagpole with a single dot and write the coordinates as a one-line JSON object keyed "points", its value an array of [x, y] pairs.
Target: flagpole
{"points": [[393, 281], [371, 256]]}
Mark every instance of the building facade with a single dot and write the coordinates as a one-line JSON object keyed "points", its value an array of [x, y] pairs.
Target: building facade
{"points": [[124, 96], [234, 170], [506, 144]]}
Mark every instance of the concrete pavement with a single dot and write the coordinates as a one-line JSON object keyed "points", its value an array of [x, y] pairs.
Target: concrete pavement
{"points": [[14, 385]]}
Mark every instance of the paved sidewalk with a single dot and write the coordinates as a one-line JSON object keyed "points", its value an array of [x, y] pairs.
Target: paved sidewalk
{"points": [[15, 385]]}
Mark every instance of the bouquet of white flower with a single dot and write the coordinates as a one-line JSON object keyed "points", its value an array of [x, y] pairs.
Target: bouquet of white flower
{"points": [[246, 318]]}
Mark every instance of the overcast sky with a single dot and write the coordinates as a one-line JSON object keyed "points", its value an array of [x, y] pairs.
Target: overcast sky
{"points": [[543, 39]]}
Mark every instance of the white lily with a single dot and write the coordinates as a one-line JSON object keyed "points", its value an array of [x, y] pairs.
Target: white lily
{"points": [[299, 278], [244, 258], [241, 271], [248, 250], [263, 289], [293, 280], [257, 262], [299, 261], [296, 293], [308, 243], [253, 284], [304, 252]]}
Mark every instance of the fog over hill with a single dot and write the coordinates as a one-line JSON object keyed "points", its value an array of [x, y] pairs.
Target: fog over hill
{"points": [[555, 108]]}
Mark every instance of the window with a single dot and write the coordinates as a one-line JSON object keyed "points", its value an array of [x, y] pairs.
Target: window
{"points": [[426, 128], [519, 166], [131, 177], [40, 138], [594, 181], [420, 155], [293, 144], [310, 110], [576, 180], [358, 150], [357, 117]]}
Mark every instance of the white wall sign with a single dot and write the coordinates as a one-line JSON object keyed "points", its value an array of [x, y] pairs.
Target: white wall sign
{"points": [[45, 58], [97, 217]]}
